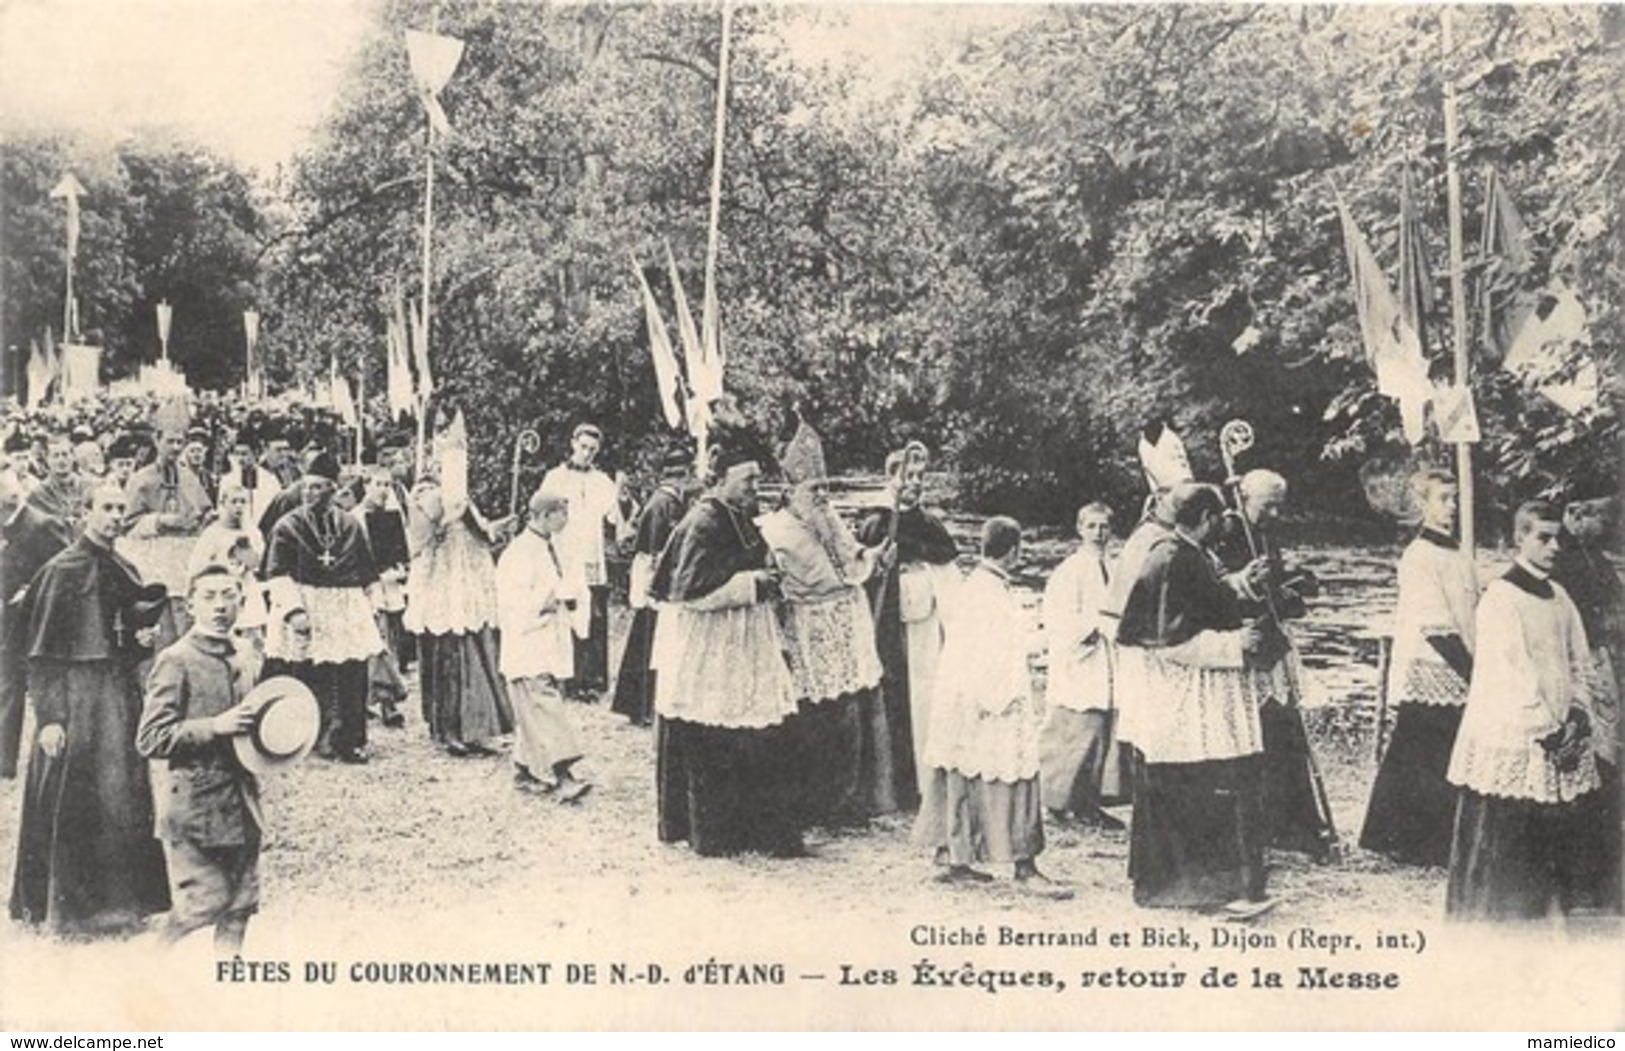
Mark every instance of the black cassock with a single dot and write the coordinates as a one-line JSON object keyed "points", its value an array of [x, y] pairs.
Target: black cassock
{"points": [[921, 539], [635, 682], [1296, 813], [87, 860]]}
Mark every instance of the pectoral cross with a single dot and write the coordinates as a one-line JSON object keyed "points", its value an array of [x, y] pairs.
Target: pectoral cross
{"points": [[326, 558]]}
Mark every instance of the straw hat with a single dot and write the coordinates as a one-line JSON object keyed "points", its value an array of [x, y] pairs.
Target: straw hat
{"points": [[286, 724]]}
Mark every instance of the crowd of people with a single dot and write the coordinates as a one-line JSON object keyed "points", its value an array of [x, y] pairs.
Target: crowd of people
{"points": [[797, 671]]}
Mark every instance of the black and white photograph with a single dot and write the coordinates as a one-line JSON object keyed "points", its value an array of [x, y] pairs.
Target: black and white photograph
{"points": [[524, 515]]}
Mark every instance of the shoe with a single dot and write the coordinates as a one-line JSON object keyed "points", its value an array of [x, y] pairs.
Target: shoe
{"points": [[1102, 821], [393, 718], [534, 787], [1041, 886], [457, 749], [1243, 909], [474, 748], [353, 757], [963, 874], [572, 791]]}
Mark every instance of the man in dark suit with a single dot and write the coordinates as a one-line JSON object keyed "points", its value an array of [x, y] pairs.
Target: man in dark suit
{"points": [[28, 539]]}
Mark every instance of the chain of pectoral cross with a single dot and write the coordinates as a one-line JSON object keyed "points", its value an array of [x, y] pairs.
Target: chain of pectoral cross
{"points": [[326, 558]]}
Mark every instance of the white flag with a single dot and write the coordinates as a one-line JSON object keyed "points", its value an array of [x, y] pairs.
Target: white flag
{"points": [[434, 59], [398, 371], [339, 386], [660, 348], [70, 190], [1393, 347], [699, 403]]}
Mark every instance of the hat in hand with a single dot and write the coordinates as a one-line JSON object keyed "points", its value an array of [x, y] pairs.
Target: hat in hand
{"points": [[286, 723]]}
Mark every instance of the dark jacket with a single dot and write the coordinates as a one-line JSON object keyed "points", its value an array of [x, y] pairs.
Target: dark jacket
{"points": [[211, 801]]}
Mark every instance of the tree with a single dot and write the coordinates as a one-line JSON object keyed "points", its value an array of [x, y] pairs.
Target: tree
{"points": [[159, 220]]}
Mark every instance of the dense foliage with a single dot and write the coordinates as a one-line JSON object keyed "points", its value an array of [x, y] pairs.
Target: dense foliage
{"points": [[160, 220], [1083, 219]]}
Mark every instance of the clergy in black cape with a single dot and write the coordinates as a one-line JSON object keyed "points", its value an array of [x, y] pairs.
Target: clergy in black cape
{"points": [[635, 682], [319, 573], [725, 768], [922, 542], [87, 860], [28, 540], [1198, 834]]}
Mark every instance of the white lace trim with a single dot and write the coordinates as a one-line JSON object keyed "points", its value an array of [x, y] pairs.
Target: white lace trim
{"points": [[831, 646], [721, 668], [1432, 682], [342, 628], [982, 741], [451, 588], [1518, 773], [1181, 713]]}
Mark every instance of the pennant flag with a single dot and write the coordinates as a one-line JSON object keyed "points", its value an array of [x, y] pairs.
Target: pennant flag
{"points": [[1391, 345], [1532, 332], [166, 318], [420, 356], [398, 371], [339, 388], [69, 189], [39, 374], [1454, 414], [53, 360], [1503, 305], [434, 59], [699, 414], [1577, 395], [1416, 299], [253, 379], [709, 384], [660, 348], [1553, 325], [81, 371]]}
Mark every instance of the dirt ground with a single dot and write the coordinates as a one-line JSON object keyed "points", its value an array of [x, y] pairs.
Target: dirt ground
{"points": [[424, 857]]}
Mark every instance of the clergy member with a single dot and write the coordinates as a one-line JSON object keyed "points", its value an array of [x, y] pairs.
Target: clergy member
{"points": [[1198, 837], [723, 690], [87, 862], [1413, 807], [594, 503], [841, 732], [634, 685], [1295, 804], [908, 630], [318, 572], [1077, 739], [537, 603], [1523, 758]]}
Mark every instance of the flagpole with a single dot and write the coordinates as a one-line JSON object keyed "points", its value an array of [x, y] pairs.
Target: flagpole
{"points": [[67, 305], [709, 338], [714, 226], [1458, 301], [428, 226], [360, 410]]}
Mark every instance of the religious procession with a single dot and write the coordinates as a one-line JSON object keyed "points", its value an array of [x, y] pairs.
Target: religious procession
{"points": [[1073, 619]]}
